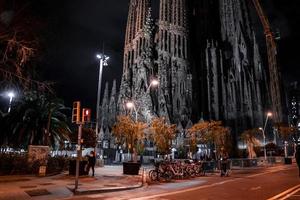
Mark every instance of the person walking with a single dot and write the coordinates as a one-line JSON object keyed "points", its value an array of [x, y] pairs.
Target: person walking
{"points": [[91, 162], [224, 163]]}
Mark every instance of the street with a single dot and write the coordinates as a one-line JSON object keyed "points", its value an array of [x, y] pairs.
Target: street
{"points": [[278, 182]]}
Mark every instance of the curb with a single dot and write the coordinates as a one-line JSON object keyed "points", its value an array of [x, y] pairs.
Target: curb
{"points": [[104, 190]]}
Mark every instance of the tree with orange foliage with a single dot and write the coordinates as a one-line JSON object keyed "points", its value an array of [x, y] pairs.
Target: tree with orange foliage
{"points": [[285, 132], [211, 132], [130, 133], [250, 138], [162, 134]]}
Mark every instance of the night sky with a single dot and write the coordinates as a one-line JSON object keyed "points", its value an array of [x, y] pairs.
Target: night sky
{"points": [[77, 29]]}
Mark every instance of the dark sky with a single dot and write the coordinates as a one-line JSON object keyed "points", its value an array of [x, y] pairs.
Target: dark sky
{"points": [[77, 29]]}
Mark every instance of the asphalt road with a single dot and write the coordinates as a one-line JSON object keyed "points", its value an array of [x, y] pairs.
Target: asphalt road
{"points": [[240, 187], [280, 182]]}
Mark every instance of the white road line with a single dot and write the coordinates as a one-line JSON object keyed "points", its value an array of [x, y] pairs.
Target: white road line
{"points": [[206, 186], [291, 194], [285, 193]]}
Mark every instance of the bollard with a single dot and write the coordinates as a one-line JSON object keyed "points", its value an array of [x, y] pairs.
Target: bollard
{"points": [[144, 176]]}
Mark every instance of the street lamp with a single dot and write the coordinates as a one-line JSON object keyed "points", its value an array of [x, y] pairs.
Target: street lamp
{"points": [[264, 135], [11, 95], [102, 62], [153, 83], [131, 104]]}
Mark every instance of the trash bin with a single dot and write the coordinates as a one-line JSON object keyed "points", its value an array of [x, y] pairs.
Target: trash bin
{"points": [[287, 161], [131, 168], [82, 165]]}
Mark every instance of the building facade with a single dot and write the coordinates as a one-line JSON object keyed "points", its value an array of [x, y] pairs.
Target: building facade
{"points": [[206, 58]]}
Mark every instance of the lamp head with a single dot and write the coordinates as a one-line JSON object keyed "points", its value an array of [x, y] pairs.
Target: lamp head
{"points": [[130, 105], [269, 114], [154, 82], [260, 128], [11, 94], [104, 58]]}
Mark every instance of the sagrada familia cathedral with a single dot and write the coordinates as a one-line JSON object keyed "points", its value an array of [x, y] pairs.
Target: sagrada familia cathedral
{"points": [[206, 57]]}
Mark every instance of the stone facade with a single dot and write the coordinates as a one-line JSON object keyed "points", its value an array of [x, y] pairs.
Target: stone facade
{"points": [[206, 58]]}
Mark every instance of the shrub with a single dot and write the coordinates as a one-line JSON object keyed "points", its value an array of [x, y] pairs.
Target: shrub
{"points": [[15, 163]]}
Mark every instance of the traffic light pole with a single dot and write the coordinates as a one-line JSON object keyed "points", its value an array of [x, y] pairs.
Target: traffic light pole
{"points": [[78, 155]]}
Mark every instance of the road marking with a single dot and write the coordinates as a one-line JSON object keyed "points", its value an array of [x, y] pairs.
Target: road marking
{"points": [[207, 186], [255, 188], [291, 194], [286, 194]]}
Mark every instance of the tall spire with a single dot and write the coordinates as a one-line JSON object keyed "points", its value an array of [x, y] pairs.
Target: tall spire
{"points": [[113, 105], [105, 106], [149, 25]]}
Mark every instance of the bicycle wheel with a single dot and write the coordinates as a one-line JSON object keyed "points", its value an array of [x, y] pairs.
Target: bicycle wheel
{"points": [[168, 176], [153, 175]]}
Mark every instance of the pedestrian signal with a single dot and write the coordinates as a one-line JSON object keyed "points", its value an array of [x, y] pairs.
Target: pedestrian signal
{"points": [[86, 115]]}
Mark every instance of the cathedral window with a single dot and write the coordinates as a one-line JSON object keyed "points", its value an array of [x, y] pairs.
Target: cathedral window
{"points": [[166, 12], [169, 43], [179, 46], [161, 38], [140, 46], [179, 13], [166, 40], [128, 59], [175, 44], [178, 104]]}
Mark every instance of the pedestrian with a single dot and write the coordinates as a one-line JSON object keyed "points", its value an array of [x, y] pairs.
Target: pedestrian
{"points": [[91, 162], [297, 156], [224, 162]]}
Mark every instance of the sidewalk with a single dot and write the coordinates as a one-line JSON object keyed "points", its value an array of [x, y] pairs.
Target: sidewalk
{"points": [[107, 179]]}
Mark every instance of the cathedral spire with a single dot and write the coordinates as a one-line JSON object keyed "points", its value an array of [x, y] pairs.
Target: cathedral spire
{"points": [[105, 106]]}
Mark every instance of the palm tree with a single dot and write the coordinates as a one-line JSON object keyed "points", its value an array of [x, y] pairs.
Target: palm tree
{"points": [[250, 138], [37, 119]]}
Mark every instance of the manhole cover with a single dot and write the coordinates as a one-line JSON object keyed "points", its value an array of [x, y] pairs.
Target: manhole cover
{"points": [[47, 184], [28, 186], [38, 192]]}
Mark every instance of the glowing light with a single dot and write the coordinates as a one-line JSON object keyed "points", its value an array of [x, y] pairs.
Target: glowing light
{"points": [[154, 82], [129, 105], [11, 94]]}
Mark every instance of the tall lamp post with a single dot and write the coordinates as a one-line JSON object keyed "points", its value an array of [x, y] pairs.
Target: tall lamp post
{"points": [[264, 135], [11, 95], [102, 62]]}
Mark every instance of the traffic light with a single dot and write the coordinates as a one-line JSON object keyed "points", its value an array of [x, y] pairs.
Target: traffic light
{"points": [[76, 112], [86, 115]]}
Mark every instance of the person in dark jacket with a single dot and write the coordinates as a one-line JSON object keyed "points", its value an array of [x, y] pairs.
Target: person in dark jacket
{"points": [[224, 163], [91, 162]]}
